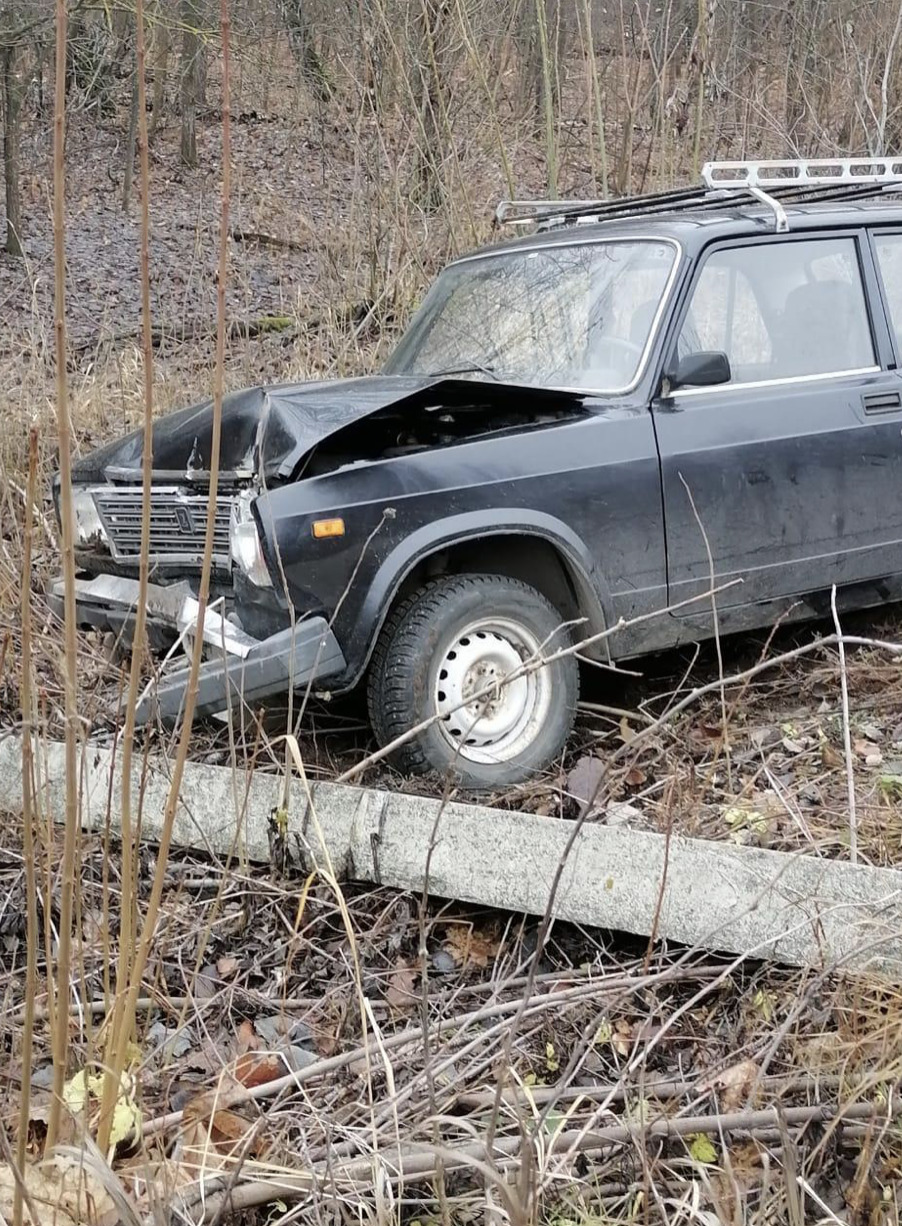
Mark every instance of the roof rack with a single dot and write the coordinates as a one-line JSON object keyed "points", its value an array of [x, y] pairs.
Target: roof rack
{"points": [[726, 185], [810, 171]]}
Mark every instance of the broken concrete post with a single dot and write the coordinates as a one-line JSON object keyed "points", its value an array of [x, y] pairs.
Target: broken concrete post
{"points": [[797, 909]]}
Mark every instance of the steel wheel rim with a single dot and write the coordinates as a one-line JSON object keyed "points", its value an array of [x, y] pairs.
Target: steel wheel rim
{"points": [[506, 721]]}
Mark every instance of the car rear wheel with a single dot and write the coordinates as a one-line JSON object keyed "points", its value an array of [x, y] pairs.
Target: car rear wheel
{"points": [[461, 655]]}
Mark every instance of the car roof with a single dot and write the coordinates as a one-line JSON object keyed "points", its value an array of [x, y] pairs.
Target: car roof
{"points": [[694, 228]]}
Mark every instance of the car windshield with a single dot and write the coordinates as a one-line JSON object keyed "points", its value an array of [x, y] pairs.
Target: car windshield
{"points": [[570, 316]]}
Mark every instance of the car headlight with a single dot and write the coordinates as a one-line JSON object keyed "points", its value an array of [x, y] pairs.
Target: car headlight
{"points": [[89, 529], [244, 541]]}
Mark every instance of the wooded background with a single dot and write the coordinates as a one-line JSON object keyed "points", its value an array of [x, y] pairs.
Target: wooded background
{"points": [[372, 139], [618, 95]]}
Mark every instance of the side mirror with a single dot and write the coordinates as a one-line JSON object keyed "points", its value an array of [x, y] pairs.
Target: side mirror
{"points": [[705, 369]]}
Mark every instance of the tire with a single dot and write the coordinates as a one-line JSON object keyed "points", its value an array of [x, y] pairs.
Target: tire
{"points": [[455, 638]]}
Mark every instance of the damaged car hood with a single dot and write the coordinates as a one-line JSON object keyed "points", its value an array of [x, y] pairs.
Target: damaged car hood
{"points": [[267, 430]]}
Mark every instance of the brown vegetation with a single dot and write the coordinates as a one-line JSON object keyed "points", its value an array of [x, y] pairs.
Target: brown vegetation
{"points": [[368, 143]]}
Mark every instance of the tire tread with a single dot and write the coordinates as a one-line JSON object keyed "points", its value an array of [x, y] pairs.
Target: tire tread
{"points": [[398, 651]]}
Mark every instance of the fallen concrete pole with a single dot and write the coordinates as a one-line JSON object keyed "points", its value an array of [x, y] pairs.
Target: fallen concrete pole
{"points": [[797, 909]]}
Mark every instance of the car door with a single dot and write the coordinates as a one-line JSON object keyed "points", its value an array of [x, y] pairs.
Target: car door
{"points": [[786, 479]]}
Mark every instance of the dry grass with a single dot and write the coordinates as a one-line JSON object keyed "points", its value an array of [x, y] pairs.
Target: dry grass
{"points": [[410, 1048], [605, 1042]]}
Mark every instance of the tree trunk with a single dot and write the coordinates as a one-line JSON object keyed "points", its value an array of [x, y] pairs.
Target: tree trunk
{"points": [[12, 101], [131, 139], [192, 53], [162, 42], [433, 18], [303, 47]]}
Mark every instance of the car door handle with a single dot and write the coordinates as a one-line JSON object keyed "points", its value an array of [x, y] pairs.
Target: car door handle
{"points": [[882, 402]]}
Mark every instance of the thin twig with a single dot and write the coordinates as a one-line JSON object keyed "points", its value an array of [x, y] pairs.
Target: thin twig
{"points": [[846, 732], [419, 1161], [59, 1025]]}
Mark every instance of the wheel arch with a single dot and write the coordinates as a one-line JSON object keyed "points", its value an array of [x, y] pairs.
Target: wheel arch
{"points": [[535, 548]]}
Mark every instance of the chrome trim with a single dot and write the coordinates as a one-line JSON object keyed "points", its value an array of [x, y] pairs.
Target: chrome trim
{"points": [[721, 387], [786, 172], [178, 524], [781, 221], [572, 241]]}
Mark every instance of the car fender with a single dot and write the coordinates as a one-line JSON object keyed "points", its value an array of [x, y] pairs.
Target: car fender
{"points": [[592, 587]]}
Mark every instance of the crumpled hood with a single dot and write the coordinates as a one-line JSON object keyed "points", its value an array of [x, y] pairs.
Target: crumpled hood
{"points": [[264, 429]]}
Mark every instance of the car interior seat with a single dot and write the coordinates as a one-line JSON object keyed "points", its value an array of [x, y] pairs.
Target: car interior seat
{"points": [[824, 329]]}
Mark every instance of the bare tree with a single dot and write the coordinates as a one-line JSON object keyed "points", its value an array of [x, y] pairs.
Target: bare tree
{"points": [[132, 134], [162, 42], [12, 105], [431, 24], [303, 46], [192, 77]]}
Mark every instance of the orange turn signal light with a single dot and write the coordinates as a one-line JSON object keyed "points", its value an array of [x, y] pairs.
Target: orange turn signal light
{"points": [[323, 528]]}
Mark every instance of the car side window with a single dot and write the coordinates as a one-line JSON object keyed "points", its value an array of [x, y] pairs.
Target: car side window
{"points": [[889, 260], [725, 315], [781, 310]]}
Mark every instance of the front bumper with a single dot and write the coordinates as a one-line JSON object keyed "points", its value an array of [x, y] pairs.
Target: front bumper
{"points": [[242, 669]]}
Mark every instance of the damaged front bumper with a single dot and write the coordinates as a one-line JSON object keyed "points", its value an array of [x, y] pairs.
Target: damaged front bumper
{"points": [[241, 668]]}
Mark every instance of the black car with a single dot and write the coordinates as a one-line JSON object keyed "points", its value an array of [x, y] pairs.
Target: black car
{"points": [[578, 431]]}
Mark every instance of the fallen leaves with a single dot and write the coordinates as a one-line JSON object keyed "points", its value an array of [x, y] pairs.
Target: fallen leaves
{"points": [[82, 1096], [256, 1068], [584, 781], [870, 752], [734, 1084], [268, 1048], [470, 947], [400, 993], [63, 1192], [701, 1148], [211, 1135]]}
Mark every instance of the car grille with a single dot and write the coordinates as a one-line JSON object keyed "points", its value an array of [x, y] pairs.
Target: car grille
{"points": [[178, 524]]}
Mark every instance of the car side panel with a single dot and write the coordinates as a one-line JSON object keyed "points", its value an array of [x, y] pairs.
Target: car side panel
{"points": [[792, 489], [590, 486]]}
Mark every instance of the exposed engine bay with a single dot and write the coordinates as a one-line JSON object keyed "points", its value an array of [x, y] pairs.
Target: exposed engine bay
{"points": [[395, 432], [276, 436]]}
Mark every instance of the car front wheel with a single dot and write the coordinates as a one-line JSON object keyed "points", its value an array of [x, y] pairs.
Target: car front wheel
{"points": [[463, 656]]}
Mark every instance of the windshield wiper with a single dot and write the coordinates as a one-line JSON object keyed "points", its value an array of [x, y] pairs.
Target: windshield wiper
{"points": [[472, 369]]}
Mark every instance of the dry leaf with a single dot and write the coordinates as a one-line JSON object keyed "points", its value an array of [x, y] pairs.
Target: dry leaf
{"points": [[622, 1039], [226, 1127], [256, 1068], [830, 757], [468, 947], [227, 966], [745, 1167], [735, 1083], [228, 1132], [869, 751], [82, 1096], [584, 781], [247, 1038], [792, 746], [63, 1192], [205, 983], [400, 994]]}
